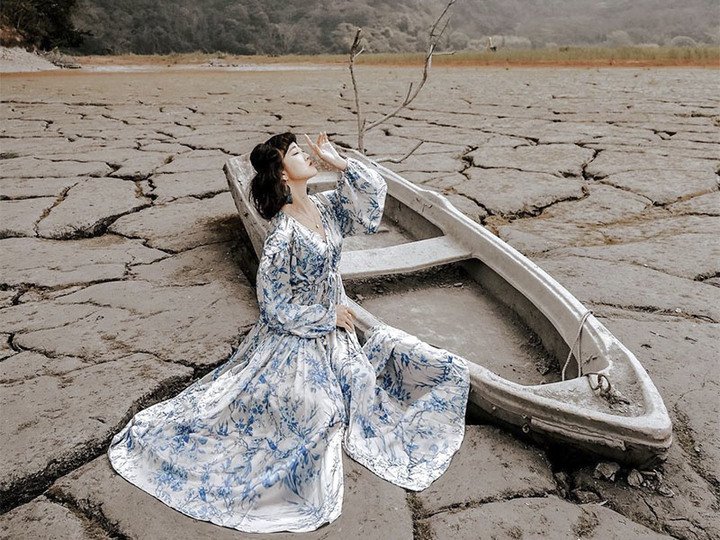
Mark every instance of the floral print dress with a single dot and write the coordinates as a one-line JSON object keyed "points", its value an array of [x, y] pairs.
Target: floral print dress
{"points": [[256, 444]]}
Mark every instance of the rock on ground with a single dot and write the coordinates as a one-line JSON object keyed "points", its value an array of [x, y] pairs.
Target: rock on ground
{"points": [[685, 507], [29, 188], [610, 162], [708, 204], [575, 222], [663, 186], [195, 325], [32, 167], [200, 184], [690, 255]]}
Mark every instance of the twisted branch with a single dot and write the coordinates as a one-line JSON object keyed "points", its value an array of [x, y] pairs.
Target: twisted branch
{"points": [[436, 32]]}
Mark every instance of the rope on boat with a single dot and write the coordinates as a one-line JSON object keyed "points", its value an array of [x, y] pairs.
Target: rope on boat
{"points": [[572, 347], [604, 390], [603, 386]]}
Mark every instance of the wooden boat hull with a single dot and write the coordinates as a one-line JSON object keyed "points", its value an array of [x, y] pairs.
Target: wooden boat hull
{"points": [[607, 405]]}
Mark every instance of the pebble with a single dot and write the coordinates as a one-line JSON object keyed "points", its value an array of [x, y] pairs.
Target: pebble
{"points": [[635, 479], [606, 471], [585, 497]]}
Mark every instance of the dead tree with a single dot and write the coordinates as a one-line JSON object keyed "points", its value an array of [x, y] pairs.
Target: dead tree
{"points": [[436, 32]]}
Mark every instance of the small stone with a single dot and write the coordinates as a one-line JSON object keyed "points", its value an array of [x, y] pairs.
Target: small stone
{"points": [[586, 497], [459, 284], [606, 471], [563, 481], [665, 491], [635, 479]]}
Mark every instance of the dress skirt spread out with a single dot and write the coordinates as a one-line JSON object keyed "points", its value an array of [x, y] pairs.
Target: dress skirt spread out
{"points": [[256, 444]]}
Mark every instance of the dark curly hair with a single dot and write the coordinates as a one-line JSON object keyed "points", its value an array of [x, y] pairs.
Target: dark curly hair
{"points": [[267, 189]]}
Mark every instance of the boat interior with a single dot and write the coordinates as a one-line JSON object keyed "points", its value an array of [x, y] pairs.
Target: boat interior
{"points": [[411, 276]]}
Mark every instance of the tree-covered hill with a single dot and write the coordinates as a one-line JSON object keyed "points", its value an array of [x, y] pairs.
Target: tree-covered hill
{"points": [[326, 26], [245, 27], [40, 23]]}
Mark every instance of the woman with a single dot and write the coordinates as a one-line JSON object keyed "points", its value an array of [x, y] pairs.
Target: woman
{"points": [[256, 445]]}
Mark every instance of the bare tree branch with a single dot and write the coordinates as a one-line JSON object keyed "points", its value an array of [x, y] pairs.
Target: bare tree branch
{"points": [[355, 50]]}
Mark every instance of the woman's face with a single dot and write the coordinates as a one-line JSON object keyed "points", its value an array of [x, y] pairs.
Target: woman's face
{"points": [[297, 164]]}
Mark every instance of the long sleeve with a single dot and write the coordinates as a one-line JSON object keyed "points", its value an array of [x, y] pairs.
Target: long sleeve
{"points": [[278, 306], [359, 199]]}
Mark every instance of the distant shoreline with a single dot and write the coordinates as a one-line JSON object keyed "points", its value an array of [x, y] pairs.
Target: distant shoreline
{"points": [[560, 57], [16, 61]]}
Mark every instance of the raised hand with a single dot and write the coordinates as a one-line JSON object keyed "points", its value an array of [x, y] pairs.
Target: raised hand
{"points": [[326, 151]]}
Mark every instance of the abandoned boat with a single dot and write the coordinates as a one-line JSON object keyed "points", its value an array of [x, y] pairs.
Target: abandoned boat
{"points": [[539, 360]]}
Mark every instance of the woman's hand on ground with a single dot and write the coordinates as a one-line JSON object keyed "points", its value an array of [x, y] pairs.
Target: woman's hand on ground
{"points": [[345, 318], [327, 152]]}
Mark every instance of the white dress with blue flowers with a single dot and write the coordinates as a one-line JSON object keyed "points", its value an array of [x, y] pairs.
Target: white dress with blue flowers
{"points": [[256, 444]]}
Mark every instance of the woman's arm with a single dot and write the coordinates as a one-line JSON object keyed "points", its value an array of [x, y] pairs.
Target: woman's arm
{"points": [[359, 199]]}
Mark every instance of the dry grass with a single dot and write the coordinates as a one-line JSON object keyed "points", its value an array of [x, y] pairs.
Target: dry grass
{"points": [[198, 58], [562, 56], [569, 56]]}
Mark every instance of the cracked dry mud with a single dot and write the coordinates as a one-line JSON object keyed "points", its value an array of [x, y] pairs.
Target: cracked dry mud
{"points": [[122, 281]]}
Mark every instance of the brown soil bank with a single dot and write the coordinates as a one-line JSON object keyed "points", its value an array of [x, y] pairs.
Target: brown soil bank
{"points": [[560, 57]]}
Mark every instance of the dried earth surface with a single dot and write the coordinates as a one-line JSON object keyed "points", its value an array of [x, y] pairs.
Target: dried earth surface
{"points": [[122, 276]]}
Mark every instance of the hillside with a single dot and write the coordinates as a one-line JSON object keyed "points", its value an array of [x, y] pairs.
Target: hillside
{"points": [[277, 27]]}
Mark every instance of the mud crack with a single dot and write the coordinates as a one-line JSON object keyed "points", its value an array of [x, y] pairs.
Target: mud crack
{"points": [[87, 511]]}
